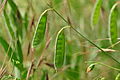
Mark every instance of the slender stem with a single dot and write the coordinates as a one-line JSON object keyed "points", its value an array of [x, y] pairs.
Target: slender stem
{"points": [[85, 37], [114, 44]]}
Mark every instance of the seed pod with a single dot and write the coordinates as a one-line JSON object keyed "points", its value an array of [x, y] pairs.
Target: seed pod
{"points": [[59, 57], [60, 50], [90, 68], [40, 29], [96, 13], [113, 24]]}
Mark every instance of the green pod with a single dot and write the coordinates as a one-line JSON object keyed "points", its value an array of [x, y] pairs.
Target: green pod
{"points": [[59, 56], [113, 33], [40, 30], [96, 13], [19, 51]]}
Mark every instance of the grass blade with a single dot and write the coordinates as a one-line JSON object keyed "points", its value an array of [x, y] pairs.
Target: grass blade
{"points": [[40, 29], [26, 22], [7, 20], [13, 5], [17, 18], [96, 13], [8, 77], [19, 52], [113, 24], [11, 54], [59, 57]]}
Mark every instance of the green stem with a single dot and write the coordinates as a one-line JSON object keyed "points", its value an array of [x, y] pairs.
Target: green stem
{"points": [[85, 37]]}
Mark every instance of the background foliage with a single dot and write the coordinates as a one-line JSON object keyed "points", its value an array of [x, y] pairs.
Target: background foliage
{"points": [[54, 52]]}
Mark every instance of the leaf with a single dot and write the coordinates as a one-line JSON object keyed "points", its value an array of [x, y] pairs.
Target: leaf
{"points": [[7, 20], [96, 13], [15, 21], [59, 56], [8, 77], [11, 54], [12, 5], [118, 77], [40, 30], [6, 47], [26, 22], [19, 51], [24, 73], [15, 9], [16, 18], [113, 24]]}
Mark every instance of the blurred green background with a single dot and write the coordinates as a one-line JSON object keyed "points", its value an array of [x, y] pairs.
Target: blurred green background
{"points": [[78, 50]]}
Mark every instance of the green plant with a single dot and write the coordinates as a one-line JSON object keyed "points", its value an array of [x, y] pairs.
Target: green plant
{"points": [[54, 46]]}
